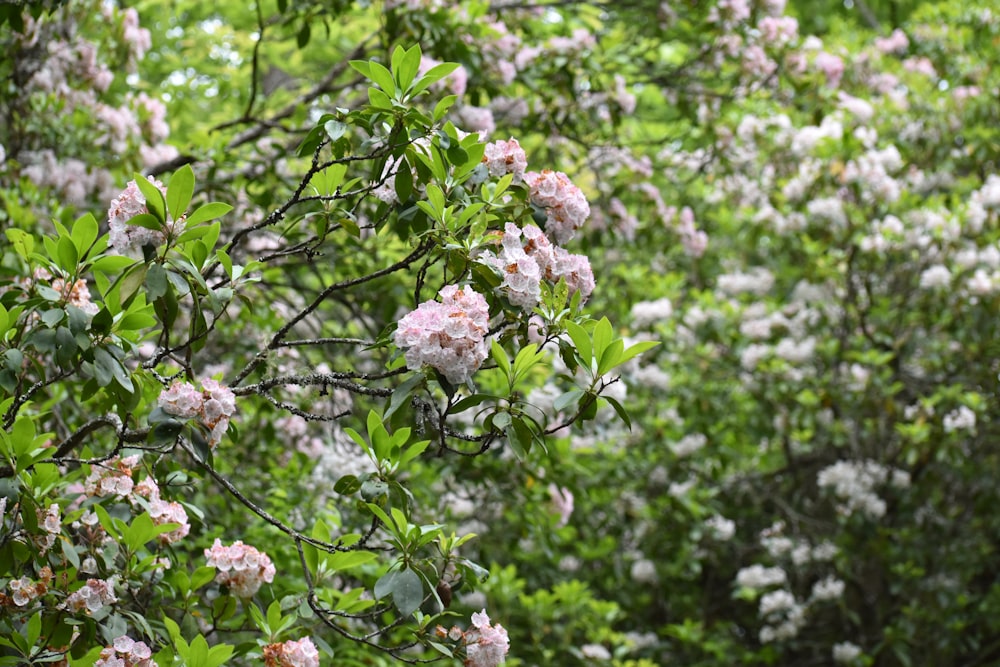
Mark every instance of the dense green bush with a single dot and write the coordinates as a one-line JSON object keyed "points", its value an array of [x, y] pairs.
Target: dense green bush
{"points": [[303, 405]]}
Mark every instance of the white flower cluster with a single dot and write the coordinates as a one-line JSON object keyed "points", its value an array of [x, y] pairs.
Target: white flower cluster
{"points": [[828, 589], [846, 652], [758, 577], [721, 528], [784, 615], [758, 281], [960, 419], [92, 597], [647, 313], [854, 482], [689, 444]]}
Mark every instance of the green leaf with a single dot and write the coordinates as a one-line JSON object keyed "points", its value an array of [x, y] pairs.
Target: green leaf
{"points": [[302, 37], [603, 334], [442, 107], [345, 560], [68, 255], [404, 180], [378, 99], [407, 67], [155, 203], [432, 76], [22, 241], [611, 357], [347, 485], [334, 129], [34, 629], [209, 211], [581, 341], [156, 282], [637, 349], [401, 395], [382, 77], [470, 402], [407, 591], [567, 399], [620, 409], [179, 191], [85, 231], [363, 67]]}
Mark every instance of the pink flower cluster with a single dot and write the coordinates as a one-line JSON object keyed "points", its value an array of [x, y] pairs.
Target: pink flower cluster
{"points": [[163, 512], [564, 203], [506, 157], [521, 274], [523, 264], [94, 596], [241, 567], [486, 645], [448, 335], [112, 478], [214, 405], [300, 653], [124, 237], [126, 652]]}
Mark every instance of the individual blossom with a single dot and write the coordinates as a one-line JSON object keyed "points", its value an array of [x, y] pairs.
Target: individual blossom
{"points": [[92, 597], [485, 645], [565, 206], [126, 652], [448, 335], [241, 567], [505, 157], [299, 653]]}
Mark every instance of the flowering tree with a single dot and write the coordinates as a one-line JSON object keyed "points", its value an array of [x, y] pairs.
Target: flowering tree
{"points": [[305, 356]]}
